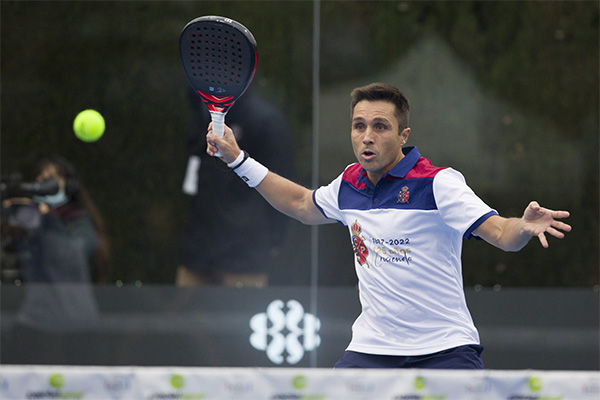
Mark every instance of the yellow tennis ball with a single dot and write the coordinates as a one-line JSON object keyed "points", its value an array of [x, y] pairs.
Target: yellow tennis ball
{"points": [[89, 125]]}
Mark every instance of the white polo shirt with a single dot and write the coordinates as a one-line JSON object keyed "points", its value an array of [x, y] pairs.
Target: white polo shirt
{"points": [[407, 237]]}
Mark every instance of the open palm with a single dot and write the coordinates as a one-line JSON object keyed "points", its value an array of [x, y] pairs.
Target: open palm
{"points": [[539, 220]]}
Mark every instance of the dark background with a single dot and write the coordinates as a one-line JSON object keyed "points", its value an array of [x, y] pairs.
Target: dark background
{"points": [[505, 92]]}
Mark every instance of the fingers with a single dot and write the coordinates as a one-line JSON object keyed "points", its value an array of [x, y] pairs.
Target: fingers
{"points": [[555, 233], [44, 208], [226, 146], [536, 212], [553, 230], [543, 240], [212, 140], [562, 226], [533, 211], [554, 213], [212, 150], [560, 214], [543, 220], [211, 147]]}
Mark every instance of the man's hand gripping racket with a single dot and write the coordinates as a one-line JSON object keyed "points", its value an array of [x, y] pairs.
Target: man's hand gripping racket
{"points": [[226, 145], [219, 57]]}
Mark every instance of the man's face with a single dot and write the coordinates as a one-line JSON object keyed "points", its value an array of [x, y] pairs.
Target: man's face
{"points": [[376, 142]]}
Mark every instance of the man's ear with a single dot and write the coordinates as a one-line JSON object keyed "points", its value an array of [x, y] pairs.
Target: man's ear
{"points": [[404, 135]]}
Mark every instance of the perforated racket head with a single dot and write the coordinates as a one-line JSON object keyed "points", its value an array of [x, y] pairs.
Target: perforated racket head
{"points": [[219, 57]]}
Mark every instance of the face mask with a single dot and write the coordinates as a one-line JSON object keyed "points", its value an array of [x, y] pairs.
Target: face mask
{"points": [[53, 200]]}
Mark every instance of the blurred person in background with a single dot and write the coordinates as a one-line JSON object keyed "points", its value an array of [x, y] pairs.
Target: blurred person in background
{"points": [[233, 236], [62, 249]]}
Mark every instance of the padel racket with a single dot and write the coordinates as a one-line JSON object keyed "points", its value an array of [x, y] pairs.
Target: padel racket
{"points": [[219, 57]]}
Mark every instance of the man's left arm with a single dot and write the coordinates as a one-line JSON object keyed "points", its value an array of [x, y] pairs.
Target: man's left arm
{"points": [[512, 234]]}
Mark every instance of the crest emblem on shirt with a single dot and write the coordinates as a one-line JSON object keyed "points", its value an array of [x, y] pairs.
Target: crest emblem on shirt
{"points": [[358, 244], [403, 195]]}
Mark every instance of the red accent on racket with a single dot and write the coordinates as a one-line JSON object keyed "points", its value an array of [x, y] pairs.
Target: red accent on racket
{"points": [[219, 57]]}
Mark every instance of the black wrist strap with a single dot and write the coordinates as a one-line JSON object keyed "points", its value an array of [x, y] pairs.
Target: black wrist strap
{"points": [[246, 155]]}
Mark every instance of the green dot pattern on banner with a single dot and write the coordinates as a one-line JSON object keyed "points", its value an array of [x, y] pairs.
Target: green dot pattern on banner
{"points": [[535, 384], [177, 381], [419, 382], [299, 382], [18, 382], [56, 381]]}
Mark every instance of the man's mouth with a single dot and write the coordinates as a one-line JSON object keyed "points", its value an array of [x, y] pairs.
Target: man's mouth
{"points": [[368, 154]]}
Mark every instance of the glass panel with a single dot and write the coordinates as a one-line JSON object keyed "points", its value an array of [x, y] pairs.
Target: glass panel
{"points": [[496, 95], [504, 92], [122, 59], [165, 325]]}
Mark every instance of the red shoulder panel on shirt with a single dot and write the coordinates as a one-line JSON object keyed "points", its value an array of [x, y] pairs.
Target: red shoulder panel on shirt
{"points": [[351, 175], [424, 169]]}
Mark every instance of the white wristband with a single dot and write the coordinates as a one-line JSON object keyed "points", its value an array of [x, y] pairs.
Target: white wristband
{"points": [[252, 172], [237, 161]]}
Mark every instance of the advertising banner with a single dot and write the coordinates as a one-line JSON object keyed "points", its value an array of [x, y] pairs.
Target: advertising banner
{"points": [[155, 383]]}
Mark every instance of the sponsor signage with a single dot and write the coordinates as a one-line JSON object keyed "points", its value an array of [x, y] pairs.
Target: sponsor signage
{"points": [[153, 383]]}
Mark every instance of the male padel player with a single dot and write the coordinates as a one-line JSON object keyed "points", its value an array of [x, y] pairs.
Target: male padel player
{"points": [[407, 219]]}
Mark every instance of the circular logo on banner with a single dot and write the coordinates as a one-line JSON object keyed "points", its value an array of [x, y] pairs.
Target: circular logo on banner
{"points": [[56, 381], [299, 382], [535, 384], [177, 381], [419, 383]]}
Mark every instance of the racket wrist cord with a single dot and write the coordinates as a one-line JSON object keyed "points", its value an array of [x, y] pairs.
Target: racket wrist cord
{"points": [[251, 171]]}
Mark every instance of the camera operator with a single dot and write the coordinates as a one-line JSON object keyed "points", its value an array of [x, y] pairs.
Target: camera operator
{"points": [[62, 250]]}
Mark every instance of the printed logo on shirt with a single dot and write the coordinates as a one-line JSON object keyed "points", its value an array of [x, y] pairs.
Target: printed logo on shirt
{"points": [[403, 195], [358, 244]]}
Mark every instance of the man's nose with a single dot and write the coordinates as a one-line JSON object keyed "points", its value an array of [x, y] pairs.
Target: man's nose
{"points": [[368, 136]]}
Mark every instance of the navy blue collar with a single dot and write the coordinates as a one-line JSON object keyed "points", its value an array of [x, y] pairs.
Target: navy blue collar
{"points": [[411, 156]]}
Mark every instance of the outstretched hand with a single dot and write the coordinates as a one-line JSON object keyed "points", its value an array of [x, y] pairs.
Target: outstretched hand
{"points": [[538, 220]]}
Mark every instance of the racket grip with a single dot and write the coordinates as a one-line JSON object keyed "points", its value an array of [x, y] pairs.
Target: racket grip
{"points": [[218, 121]]}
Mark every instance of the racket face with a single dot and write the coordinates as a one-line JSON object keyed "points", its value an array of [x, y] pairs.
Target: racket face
{"points": [[219, 57]]}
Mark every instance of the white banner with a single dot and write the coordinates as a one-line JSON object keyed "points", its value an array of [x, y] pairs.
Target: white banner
{"points": [[155, 383]]}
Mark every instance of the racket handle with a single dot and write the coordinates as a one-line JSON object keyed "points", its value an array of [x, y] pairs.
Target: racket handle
{"points": [[218, 121]]}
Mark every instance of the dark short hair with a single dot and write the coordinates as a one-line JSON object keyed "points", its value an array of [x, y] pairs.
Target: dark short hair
{"points": [[384, 92]]}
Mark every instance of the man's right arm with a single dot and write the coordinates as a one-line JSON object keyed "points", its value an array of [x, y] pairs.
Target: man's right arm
{"points": [[284, 195], [291, 199]]}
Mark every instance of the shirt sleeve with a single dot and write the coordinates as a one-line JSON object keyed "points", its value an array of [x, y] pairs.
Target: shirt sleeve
{"points": [[326, 200], [458, 205]]}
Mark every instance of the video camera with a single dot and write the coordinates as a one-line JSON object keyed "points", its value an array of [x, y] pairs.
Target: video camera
{"points": [[19, 206], [18, 217], [13, 186]]}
